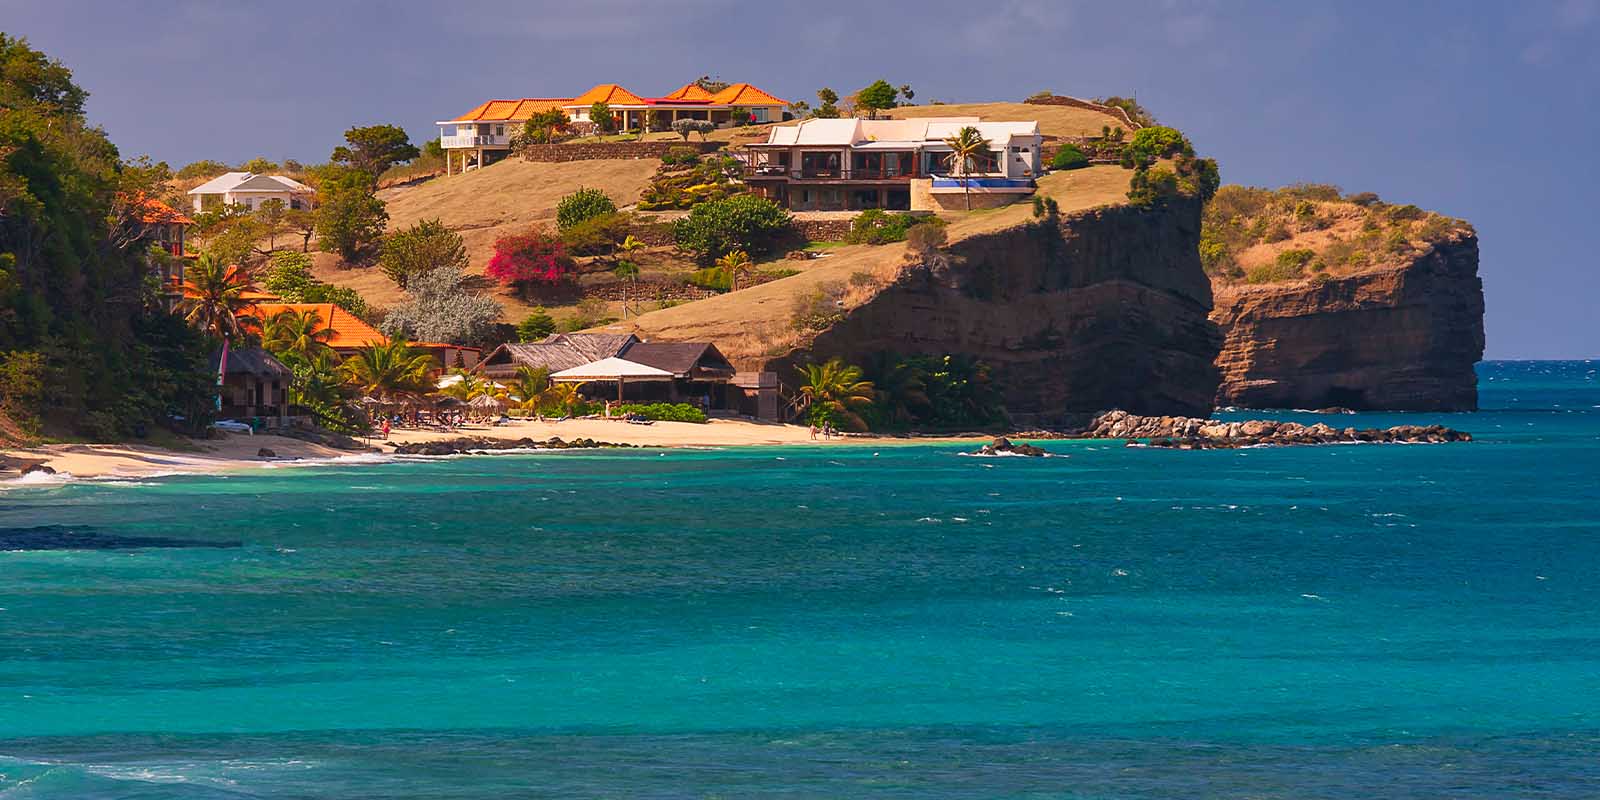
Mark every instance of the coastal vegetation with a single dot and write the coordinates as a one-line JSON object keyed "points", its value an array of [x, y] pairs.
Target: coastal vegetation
{"points": [[1311, 231], [743, 222]]}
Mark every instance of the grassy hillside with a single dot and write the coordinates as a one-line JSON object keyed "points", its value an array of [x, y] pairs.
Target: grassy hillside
{"points": [[759, 321], [485, 204], [1303, 232]]}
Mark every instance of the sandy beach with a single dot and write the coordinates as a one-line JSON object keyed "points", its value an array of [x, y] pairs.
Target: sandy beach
{"points": [[240, 451]]}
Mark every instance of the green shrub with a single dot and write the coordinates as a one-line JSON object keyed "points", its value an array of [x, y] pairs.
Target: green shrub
{"points": [[1069, 157], [876, 226], [1365, 199], [742, 222], [536, 326], [1151, 186], [598, 235], [1304, 210], [582, 205], [776, 274], [1270, 273], [665, 412], [683, 156], [1156, 142], [716, 279], [1405, 213], [1275, 232], [1296, 259]]}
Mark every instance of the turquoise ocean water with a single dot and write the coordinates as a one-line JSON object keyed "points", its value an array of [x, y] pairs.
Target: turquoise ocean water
{"points": [[1400, 621]]}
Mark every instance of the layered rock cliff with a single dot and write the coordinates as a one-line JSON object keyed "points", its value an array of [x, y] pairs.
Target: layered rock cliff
{"points": [[1105, 308], [1404, 337]]}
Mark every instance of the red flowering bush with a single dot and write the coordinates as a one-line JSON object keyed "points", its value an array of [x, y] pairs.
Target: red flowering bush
{"points": [[530, 259]]}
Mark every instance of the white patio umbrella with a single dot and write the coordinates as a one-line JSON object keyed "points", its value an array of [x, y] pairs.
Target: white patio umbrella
{"points": [[616, 369]]}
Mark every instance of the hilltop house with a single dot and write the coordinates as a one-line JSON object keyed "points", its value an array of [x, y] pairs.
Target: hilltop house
{"points": [[898, 164], [483, 135], [699, 372], [251, 190]]}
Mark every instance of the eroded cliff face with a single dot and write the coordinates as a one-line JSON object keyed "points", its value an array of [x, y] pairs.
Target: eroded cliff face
{"points": [[1402, 338], [1101, 309]]}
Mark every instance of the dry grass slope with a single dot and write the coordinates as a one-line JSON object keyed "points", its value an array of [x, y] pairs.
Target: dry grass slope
{"points": [[485, 204], [757, 322]]}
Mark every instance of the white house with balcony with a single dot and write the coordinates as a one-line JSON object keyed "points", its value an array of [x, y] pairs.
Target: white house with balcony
{"points": [[251, 190], [896, 164]]}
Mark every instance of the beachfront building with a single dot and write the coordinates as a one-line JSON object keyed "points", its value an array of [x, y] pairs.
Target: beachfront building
{"points": [[349, 334], [896, 164], [251, 190], [664, 372], [483, 135], [255, 386]]}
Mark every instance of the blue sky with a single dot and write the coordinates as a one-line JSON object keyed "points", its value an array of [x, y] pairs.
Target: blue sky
{"points": [[1482, 110]]}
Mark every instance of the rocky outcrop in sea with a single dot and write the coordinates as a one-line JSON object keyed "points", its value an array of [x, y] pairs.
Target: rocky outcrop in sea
{"points": [[1399, 338], [1192, 433]]}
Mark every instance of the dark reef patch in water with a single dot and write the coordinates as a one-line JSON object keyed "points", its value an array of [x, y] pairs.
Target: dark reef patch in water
{"points": [[63, 537]]}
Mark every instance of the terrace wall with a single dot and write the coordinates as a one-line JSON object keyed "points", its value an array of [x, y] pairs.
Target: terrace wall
{"points": [[606, 151]]}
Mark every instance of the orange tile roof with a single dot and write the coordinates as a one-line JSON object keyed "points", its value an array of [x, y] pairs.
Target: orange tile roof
{"points": [[608, 93], [689, 91], [348, 330], [743, 94], [498, 110]]}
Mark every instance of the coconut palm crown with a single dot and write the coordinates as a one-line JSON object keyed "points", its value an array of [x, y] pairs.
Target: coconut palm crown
{"points": [[836, 390], [965, 147], [215, 298]]}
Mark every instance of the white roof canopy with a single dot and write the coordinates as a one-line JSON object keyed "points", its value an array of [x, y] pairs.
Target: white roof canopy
{"points": [[611, 369]]}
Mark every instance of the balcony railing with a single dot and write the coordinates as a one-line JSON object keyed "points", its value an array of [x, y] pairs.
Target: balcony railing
{"points": [[857, 174], [468, 140]]}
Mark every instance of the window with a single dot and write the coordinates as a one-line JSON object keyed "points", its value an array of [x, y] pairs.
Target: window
{"points": [[499, 130]]}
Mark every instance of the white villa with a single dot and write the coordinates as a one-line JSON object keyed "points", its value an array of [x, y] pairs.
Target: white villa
{"points": [[483, 135], [899, 164], [251, 190]]}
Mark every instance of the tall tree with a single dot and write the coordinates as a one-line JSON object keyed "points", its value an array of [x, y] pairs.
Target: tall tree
{"points": [[827, 104], [877, 96], [604, 121], [297, 337], [272, 214], [835, 392], [966, 147], [421, 248], [627, 269], [216, 298], [388, 369], [350, 219], [375, 148]]}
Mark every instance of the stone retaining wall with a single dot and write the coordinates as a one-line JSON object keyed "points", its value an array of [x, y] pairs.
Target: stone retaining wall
{"points": [[1063, 100], [595, 151], [823, 230]]}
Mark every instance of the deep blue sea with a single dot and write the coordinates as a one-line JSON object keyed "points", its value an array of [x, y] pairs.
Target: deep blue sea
{"points": [[1383, 621]]}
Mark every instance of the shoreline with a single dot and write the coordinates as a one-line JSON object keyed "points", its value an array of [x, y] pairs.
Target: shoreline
{"points": [[236, 452]]}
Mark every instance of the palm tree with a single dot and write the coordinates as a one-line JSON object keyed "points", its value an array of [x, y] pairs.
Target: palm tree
{"points": [[965, 147], [388, 368], [901, 387], [837, 390], [297, 335], [214, 298], [627, 270], [468, 387], [532, 385], [734, 263], [564, 396]]}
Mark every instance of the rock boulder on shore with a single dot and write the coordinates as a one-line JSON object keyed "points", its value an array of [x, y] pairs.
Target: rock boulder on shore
{"points": [[1190, 433]]}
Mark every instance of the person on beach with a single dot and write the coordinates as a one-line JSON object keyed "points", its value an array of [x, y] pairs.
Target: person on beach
{"points": [[813, 431], [385, 427]]}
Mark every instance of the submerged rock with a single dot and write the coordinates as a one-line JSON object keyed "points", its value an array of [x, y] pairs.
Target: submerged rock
{"points": [[1189, 433]]}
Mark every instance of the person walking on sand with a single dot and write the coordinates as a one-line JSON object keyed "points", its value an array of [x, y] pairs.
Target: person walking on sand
{"points": [[386, 427], [813, 431]]}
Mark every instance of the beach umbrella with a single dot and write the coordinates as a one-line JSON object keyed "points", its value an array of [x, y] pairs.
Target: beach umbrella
{"points": [[448, 402], [485, 402]]}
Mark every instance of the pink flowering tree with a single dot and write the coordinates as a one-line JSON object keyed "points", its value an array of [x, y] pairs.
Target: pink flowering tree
{"points": [[526, 261]]}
